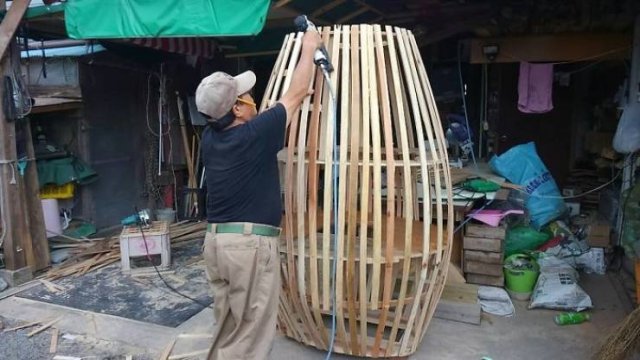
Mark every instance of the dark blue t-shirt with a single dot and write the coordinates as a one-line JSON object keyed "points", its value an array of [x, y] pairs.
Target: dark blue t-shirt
{"points": [[243, 183]]}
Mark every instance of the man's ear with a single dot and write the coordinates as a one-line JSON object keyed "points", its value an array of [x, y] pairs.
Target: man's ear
{"points": [[235, 110]]}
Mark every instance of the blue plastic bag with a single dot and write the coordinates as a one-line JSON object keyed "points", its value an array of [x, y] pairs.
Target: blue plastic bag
{"points": [[521, 165]]}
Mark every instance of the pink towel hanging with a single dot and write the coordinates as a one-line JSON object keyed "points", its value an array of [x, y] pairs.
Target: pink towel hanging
{"points": [[535, 88]]}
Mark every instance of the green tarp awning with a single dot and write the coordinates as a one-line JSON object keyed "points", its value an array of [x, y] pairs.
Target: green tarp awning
{"points": [[96, 19]]}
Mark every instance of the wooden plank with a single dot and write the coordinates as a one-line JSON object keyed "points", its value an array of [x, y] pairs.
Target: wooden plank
{"points": [[484, 231], [43, 327], [24, 326], [53, 347], [459, 302], [454, 275], [167, 350], [488, 280], [476, 267], [556, 47], [483, 256], [483, 244], [34, 207], [189, 355]]}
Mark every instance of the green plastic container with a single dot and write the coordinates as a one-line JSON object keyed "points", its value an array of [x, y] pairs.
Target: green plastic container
{"points": [[520, 280]]}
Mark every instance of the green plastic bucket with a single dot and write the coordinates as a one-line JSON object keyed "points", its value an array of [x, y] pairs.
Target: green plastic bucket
{"points": [[520, 282]]}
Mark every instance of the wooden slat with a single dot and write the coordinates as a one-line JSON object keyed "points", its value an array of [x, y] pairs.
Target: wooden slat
{"points": [[354, 116], [400, 102], [390, 169], [412, 57], [377, 168], [298, 295], [342, 186], [275, 73], [408, 211], [313, 202], [364, 197]]}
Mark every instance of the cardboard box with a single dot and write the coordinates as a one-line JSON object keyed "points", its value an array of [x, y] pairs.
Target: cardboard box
{"points": [[599, 234]]}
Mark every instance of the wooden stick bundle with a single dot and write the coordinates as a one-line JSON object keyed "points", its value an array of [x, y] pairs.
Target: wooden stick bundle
{"points": [[92, 255]]}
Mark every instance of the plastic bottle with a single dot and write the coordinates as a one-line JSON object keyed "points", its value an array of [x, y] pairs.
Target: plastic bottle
{"points": [[570, 318]]}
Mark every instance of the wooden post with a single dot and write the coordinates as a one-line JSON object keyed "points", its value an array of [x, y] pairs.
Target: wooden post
{"points": [[17, 243], [15, 258], [33, 205]]}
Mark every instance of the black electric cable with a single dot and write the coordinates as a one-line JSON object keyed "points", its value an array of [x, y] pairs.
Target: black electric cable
{"points": [[146, 247]]}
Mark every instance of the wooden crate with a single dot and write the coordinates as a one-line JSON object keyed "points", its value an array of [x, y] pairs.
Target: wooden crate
{"points": [[488, 280], [482, 244], [155, 241], [485, 231], [483, 254], [476, 267]]}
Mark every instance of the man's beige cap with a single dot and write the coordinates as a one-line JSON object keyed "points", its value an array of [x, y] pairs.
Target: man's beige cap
{"points": [[217, 93]]}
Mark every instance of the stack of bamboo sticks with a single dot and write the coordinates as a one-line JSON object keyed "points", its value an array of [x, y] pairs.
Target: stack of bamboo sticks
{"points": [[93, 254]]}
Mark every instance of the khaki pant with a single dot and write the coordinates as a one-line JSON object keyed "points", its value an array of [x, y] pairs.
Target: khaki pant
{"points": [[243, 271]]}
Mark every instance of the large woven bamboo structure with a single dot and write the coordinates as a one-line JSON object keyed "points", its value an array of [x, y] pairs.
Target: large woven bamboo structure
{"points": [[393, 238]]}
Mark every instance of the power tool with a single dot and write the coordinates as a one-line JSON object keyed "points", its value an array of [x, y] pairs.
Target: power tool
{"points": [[321, 57], [142, 217]]}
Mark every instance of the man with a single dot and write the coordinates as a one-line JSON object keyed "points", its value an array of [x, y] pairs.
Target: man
{"points": [[244, 209]]}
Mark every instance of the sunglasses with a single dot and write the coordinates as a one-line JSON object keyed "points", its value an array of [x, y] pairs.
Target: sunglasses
{"points": [[244, 101]]}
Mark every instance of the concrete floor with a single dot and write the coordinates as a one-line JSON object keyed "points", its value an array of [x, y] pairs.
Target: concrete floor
{"points": [[530, 334]]}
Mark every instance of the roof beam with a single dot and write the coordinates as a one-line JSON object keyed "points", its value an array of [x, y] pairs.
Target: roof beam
{"points": [[281, 3], [323, 9], [352, 15], [371, 8], [10, 23]]}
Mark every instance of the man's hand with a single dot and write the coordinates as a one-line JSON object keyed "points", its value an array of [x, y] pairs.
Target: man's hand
{"points": [[299, 87], [311, 39]]}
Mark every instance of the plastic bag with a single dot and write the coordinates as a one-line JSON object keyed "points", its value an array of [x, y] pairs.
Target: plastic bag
{"points": [[522, 165], [522, 238], [495, 301], [627, 137], [557, 287]]}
